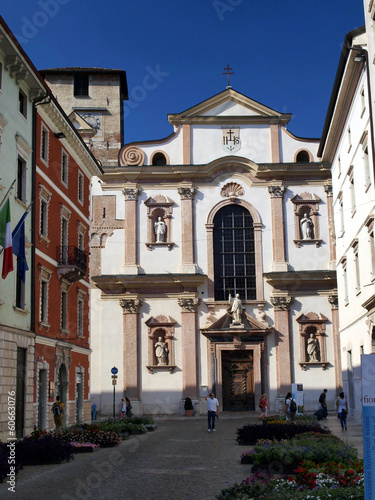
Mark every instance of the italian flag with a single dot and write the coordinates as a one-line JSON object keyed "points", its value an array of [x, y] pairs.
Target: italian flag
{"points": [[6, 239]]}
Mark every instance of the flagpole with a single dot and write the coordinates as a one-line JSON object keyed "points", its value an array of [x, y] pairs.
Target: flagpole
{"points": [[7, 194]]}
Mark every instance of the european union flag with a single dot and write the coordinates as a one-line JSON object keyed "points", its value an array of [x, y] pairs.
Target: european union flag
{"points": [[18, 237]]}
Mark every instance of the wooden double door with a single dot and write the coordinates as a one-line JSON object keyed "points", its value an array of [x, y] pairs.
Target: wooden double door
{"points": [[238, 380]]}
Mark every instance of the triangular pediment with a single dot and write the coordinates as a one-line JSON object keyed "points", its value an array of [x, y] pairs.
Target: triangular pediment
{"points": [[224, 323], [229, 104]]}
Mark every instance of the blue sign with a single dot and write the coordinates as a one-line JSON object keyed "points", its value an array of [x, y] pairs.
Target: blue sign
{"points": [[114, 370], [368, 411]]}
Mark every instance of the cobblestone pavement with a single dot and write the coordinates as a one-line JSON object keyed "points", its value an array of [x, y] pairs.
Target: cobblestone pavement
{"points": [[179, 461]]}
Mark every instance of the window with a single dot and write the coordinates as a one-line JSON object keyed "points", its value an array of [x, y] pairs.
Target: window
{"points": [[338, 166], [44, 138], [341, 213], [303, 157], [234, 253], [80, 186], [43, 218], [20, 289], [80, 312], [81, 84], [64, 167], [1, 76], [64, 240], [21, 179], [356, 266], [44, 277], [345, 279], [43, 317], [352, 190], [22, 103], [159, 159], [64, 310]]}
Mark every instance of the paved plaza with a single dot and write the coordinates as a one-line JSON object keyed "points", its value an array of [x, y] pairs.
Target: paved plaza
{"points": [[178, 461]]}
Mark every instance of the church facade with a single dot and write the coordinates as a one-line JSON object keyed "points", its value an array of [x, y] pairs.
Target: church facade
{"points": [[213, 265]]}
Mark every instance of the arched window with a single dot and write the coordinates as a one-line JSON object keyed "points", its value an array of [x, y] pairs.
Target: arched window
{"points": [[234, 253], [303, 157], [159, 159]]}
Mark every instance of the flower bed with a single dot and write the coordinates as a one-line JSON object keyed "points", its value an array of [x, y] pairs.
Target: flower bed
{"points": [[316, 448], [276, 430], [84, 447], [44, 449], [311, 481], [90, 434]]}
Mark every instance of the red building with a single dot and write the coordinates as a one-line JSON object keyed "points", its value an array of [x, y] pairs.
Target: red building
{"points": [[63, 169]]}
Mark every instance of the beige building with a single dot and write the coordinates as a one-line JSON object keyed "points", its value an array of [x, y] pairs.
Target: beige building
{"points": [[93, 100]]}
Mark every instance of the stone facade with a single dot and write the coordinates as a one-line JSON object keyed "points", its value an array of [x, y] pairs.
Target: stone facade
{"points": [[348, 144]]}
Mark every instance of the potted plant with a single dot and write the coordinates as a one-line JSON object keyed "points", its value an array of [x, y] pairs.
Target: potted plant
{"points": [[189, 408]]}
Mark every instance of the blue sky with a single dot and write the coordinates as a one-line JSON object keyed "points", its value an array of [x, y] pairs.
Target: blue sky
{"points": [[284, 53]]}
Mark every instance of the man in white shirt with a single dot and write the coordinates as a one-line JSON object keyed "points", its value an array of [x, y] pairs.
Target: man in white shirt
{"points": [[213, 410]]}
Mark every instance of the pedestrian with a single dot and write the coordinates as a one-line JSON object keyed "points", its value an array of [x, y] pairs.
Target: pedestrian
{"points": [[323, 403], [342, 410], [263, 405], [213, 411], [128, 410], [123, 408], [58, 412], [290, 407]]}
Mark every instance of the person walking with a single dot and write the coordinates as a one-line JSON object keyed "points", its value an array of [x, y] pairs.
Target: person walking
{"points": [[129, 407], [213, 411], [263, 405], [58, 412], [342, 410], [323, 403], [290, 407], [123, 408]]}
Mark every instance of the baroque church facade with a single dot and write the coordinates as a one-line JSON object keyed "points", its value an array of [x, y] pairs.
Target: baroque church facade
{"points": [[213, 265]]}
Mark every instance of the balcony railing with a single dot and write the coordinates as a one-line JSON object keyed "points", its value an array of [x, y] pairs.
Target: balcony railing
{"points": [[72, 262]]}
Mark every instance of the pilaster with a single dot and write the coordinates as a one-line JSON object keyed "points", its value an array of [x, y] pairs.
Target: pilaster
{"points": [[131, 383], [189, 320], [278, 235], [187, 193], [333, 300], [331, 227], [131, 193], [281, 305]]}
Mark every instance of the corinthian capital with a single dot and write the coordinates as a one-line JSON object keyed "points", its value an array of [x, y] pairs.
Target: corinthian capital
{"points": [[131, 193], [189, 305], [276, 191], [131, 306], [281, 303], [187, 193]]}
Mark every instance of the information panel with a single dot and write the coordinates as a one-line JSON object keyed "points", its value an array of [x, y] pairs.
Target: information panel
{"points": [[368, 403]]}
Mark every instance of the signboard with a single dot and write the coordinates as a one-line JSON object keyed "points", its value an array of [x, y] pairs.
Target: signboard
{"points": [[114, 370], [368, 411]]}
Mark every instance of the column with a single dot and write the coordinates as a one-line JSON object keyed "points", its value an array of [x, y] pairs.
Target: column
{"points": [[187, 193], [278, 235], [131, 307], [131, 193], [281, 307], [189, 323], [333, 300], [331, 227]]}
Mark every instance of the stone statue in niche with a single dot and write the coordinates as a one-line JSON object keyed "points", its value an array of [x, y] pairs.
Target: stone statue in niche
{"points": [[160, 230], [161, 352], [313, 350], [307, 228], [236, 309]]}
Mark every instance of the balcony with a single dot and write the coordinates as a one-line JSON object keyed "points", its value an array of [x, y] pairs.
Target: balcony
{"points": [[71, 263]]}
